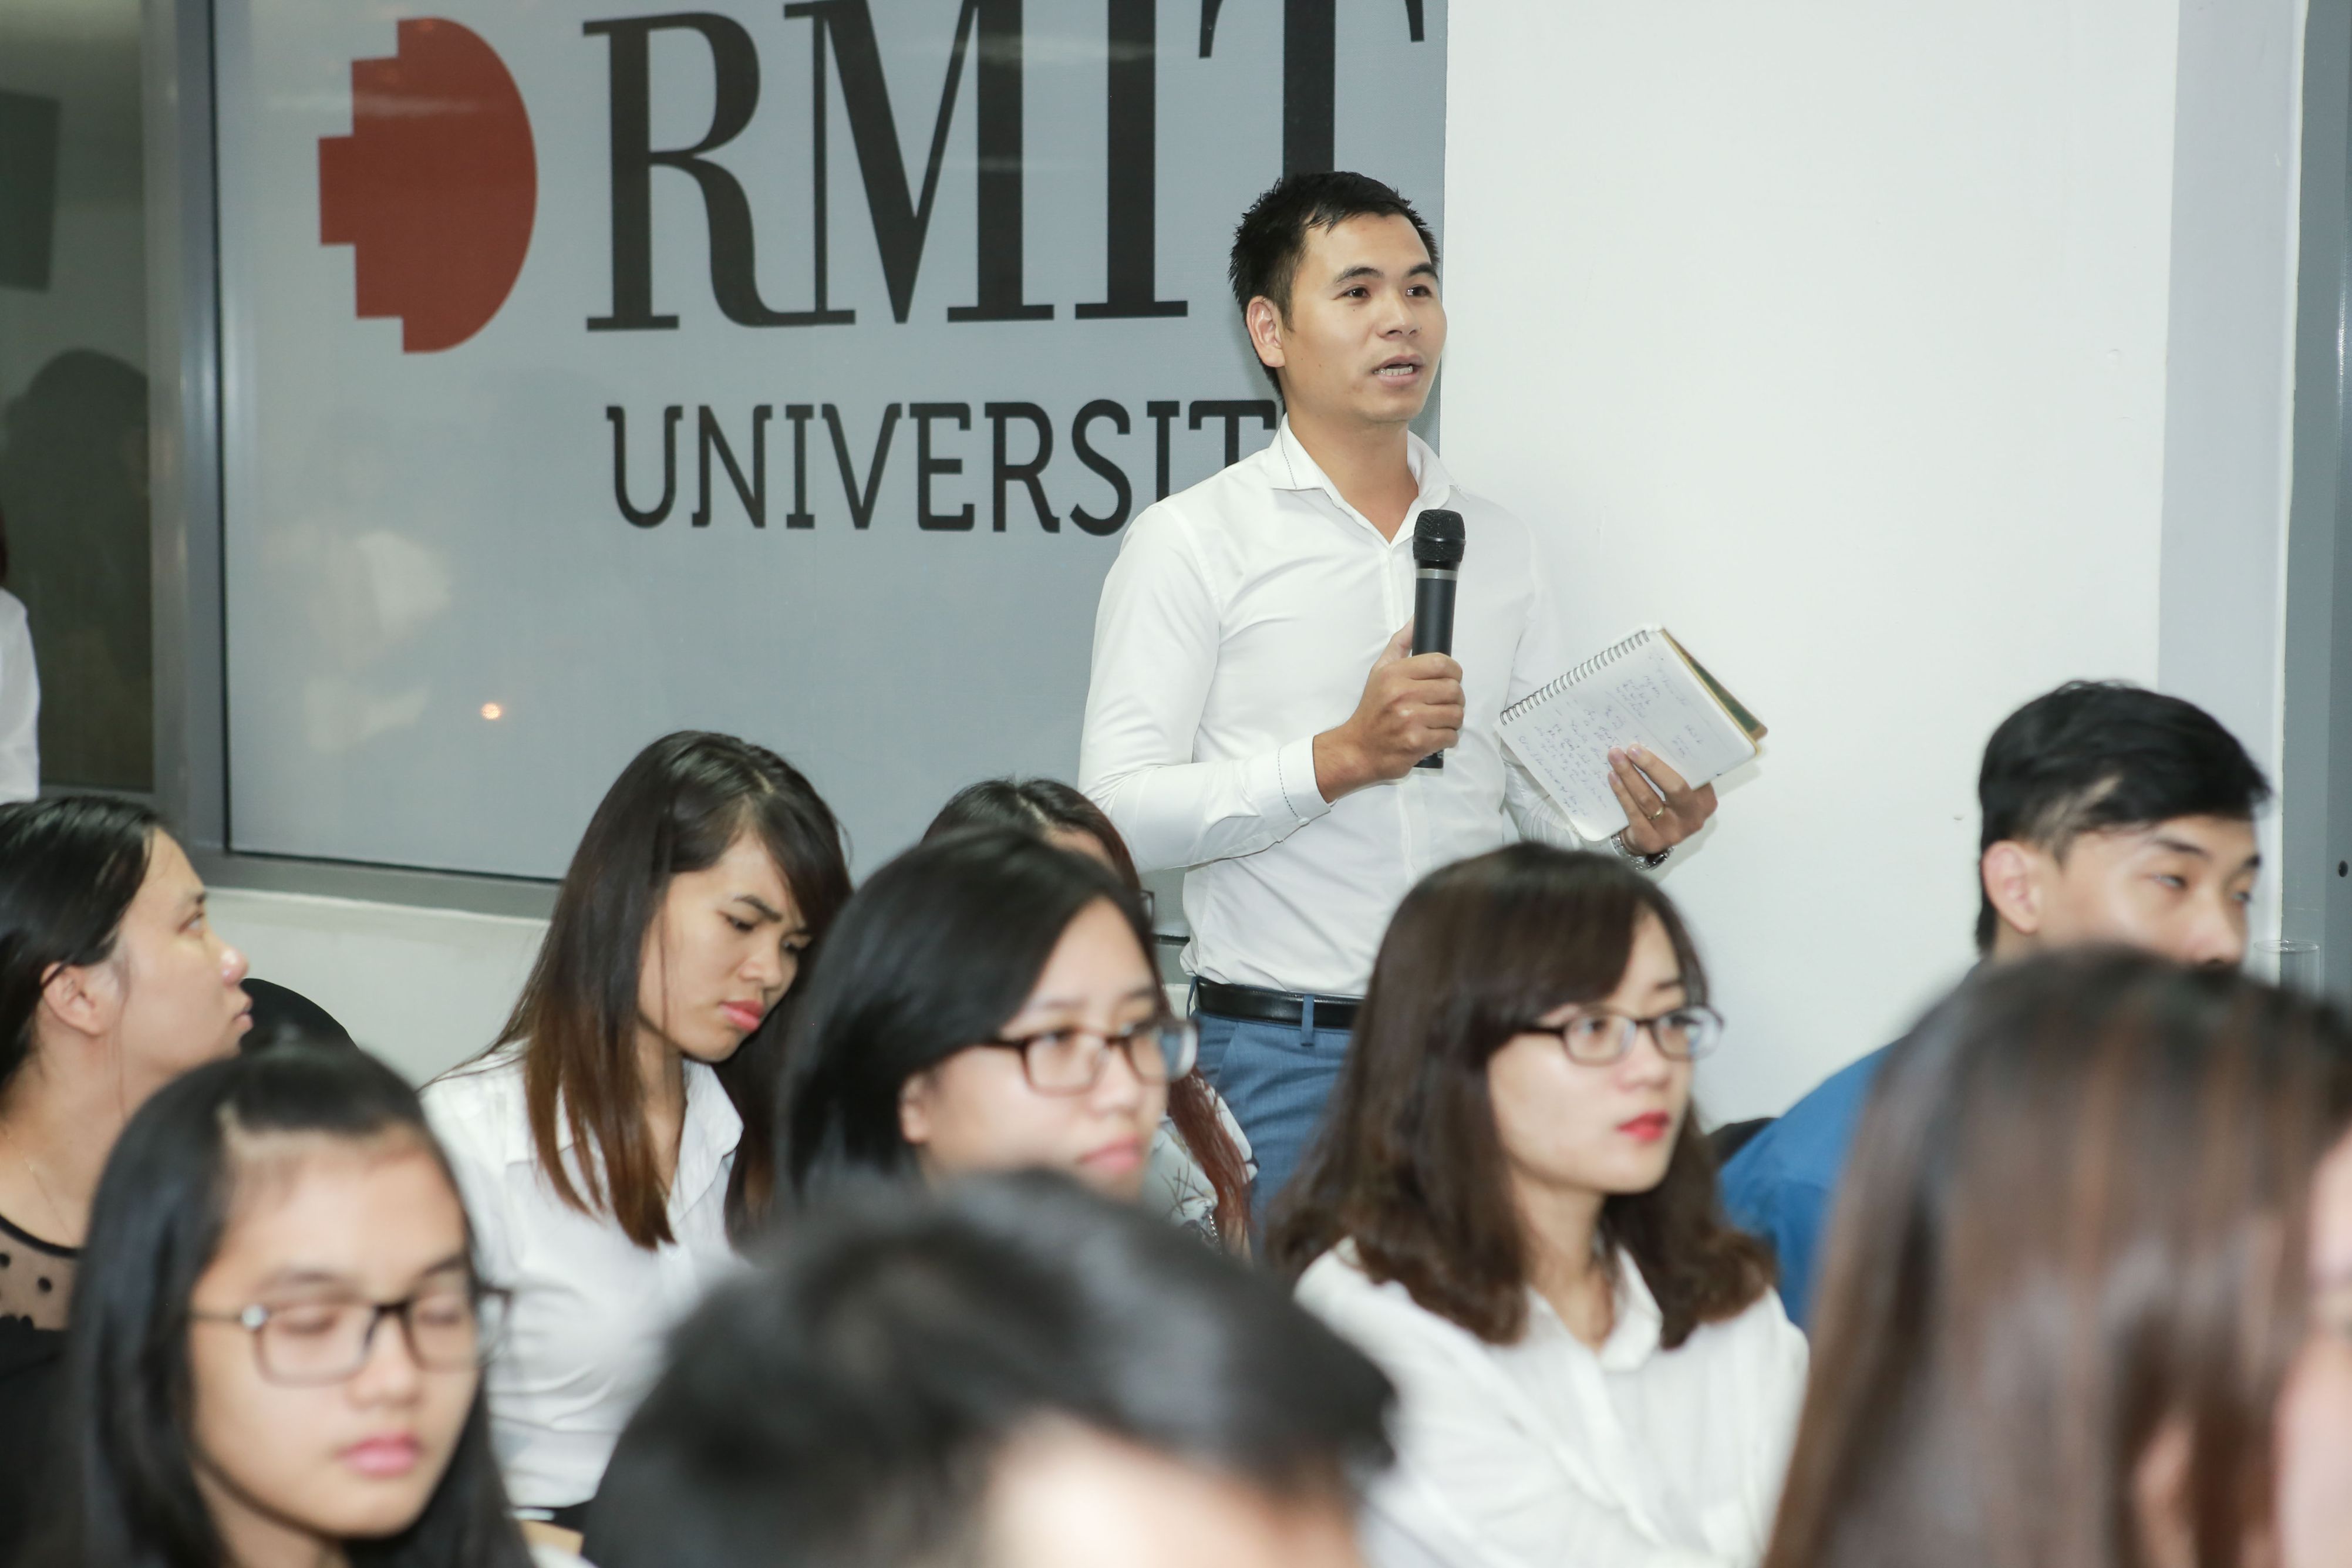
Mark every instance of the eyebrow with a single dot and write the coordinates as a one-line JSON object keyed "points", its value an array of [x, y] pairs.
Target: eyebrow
{"points": [[761, 905], [1671, 983], [2182, 847], [1044, 1003], [303, 1278]]}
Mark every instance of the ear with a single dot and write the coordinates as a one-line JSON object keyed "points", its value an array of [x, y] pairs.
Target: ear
{"points": [[85, 999], [915, 1110], [2013, 884], [1264, 323]]}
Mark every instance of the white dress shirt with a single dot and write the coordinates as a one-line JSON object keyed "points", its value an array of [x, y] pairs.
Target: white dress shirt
{"points": [[1550, 1452], [1239, 622], [584, 1341], [20, 705]]}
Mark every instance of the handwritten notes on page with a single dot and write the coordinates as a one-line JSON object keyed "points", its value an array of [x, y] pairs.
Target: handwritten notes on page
{"points": [[1641, 690]]}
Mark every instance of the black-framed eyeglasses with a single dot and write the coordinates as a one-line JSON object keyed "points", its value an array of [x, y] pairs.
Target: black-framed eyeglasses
{"points": [[1070, 1061], [449, 1328], [1601, 1037]]}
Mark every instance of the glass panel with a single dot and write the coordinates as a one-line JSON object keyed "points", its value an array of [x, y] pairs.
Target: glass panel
{"points": [[73, 380]]}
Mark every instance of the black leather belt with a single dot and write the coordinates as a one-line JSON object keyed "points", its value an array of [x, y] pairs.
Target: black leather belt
{"points": [[1260, 1006]]}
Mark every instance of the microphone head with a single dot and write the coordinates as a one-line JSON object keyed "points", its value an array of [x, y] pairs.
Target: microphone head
{"points": [[1437, 539]]}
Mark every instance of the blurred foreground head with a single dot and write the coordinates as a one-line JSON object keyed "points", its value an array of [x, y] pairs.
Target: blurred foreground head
{"points": [[1012, 1372], [2085, 1303]]}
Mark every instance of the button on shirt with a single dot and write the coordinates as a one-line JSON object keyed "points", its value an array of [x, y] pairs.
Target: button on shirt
{"points": [[1240, 620], [1551, 1452], [584, 1343]]}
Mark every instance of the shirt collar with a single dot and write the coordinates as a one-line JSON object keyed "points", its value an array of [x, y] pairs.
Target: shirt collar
{"points": [[705, 1139], [1288, 466], [1633, 1337], [712, 1130]]}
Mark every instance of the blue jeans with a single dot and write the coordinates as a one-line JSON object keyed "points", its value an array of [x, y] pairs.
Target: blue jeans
{"points": [[1276, 1078]]}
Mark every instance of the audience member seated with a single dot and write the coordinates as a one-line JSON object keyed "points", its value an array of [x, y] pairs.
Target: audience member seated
{"points": [[1014, 1374], [617, 1138], [2110, 814], [986, 1002], [111, 982], [1201, 1165], [1512, 1209], [281, 1013], [2074, 1309], [279, 1335]]}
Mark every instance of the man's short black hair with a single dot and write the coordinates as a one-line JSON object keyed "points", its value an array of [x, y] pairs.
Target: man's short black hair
{"points": [[1272, 237], [2094, 756], [842, 1405]]}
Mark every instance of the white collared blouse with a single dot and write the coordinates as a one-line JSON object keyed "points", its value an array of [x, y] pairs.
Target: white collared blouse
{"points": [[584, 1341], [1239, 622], [1550, 1452]]}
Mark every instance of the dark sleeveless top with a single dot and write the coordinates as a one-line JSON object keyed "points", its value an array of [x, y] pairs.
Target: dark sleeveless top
{"points": [[36, 1284]]}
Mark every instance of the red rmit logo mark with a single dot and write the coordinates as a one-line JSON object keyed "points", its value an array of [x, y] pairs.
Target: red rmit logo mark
{"points": [[435, 187]]}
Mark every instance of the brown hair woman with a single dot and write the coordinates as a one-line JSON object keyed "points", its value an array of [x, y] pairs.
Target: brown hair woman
{"points": [[1201, 1165], [619, 1135], [1512, 1209], [2068, 1280]]}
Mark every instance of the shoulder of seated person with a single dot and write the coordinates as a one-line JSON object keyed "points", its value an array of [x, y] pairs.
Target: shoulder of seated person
{"points": [[477, 1107]]}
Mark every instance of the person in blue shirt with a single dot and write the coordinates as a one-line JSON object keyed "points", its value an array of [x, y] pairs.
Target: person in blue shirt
{"points": [[2110, 814]]}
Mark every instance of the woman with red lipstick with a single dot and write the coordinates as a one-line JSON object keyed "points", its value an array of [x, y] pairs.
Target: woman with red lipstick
{"points": [[279, 1335], [986, 1002], [616, 1141], [111, 982], [1512, 1210]]}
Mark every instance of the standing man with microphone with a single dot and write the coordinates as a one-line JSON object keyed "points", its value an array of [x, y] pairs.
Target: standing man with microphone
{"points": [[1255, 711]]}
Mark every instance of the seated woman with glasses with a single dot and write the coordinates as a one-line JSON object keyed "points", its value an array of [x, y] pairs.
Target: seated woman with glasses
{"points": [[278, 1334], [1201, 1165], [985, 1002], [1512, 1209]]}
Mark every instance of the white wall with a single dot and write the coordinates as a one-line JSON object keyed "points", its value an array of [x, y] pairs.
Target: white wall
{"points": [[424, 989], [1836, 334]]}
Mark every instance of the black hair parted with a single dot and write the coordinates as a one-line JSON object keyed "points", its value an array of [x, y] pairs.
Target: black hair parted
{"points": [[1272, 236], [131, 1499], [938, 950], [2094, 756], [842, 1405], [70, 866]]}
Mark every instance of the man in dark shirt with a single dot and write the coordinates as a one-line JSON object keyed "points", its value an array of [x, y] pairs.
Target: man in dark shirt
{"points": [[2110, 814]]}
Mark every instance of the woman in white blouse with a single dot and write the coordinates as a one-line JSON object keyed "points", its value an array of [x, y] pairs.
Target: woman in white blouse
{"points": [[616, 1139], [1512, 1209]]}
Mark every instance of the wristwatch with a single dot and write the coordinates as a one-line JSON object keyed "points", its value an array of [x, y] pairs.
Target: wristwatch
{"points": [[1647, 862]]}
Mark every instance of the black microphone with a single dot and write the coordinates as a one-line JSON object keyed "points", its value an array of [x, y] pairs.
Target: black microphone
{"points": [[1437, 551]]}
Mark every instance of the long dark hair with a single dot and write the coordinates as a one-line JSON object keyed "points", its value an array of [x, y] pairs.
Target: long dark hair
{"points": [[676, 808], [1048, 805], [1409, 1165], [69, 867], [2075, 1217], [940, 949], [131, 1499]]}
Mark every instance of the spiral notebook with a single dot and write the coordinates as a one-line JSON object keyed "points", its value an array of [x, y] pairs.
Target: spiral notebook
{"points": [[1642, 690]]}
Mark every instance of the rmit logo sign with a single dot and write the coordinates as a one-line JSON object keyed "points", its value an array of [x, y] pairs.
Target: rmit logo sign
{"points": [[435, 186]]}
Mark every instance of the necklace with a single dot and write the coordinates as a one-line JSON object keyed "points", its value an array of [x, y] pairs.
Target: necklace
{"points": [[57, 1209]]}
